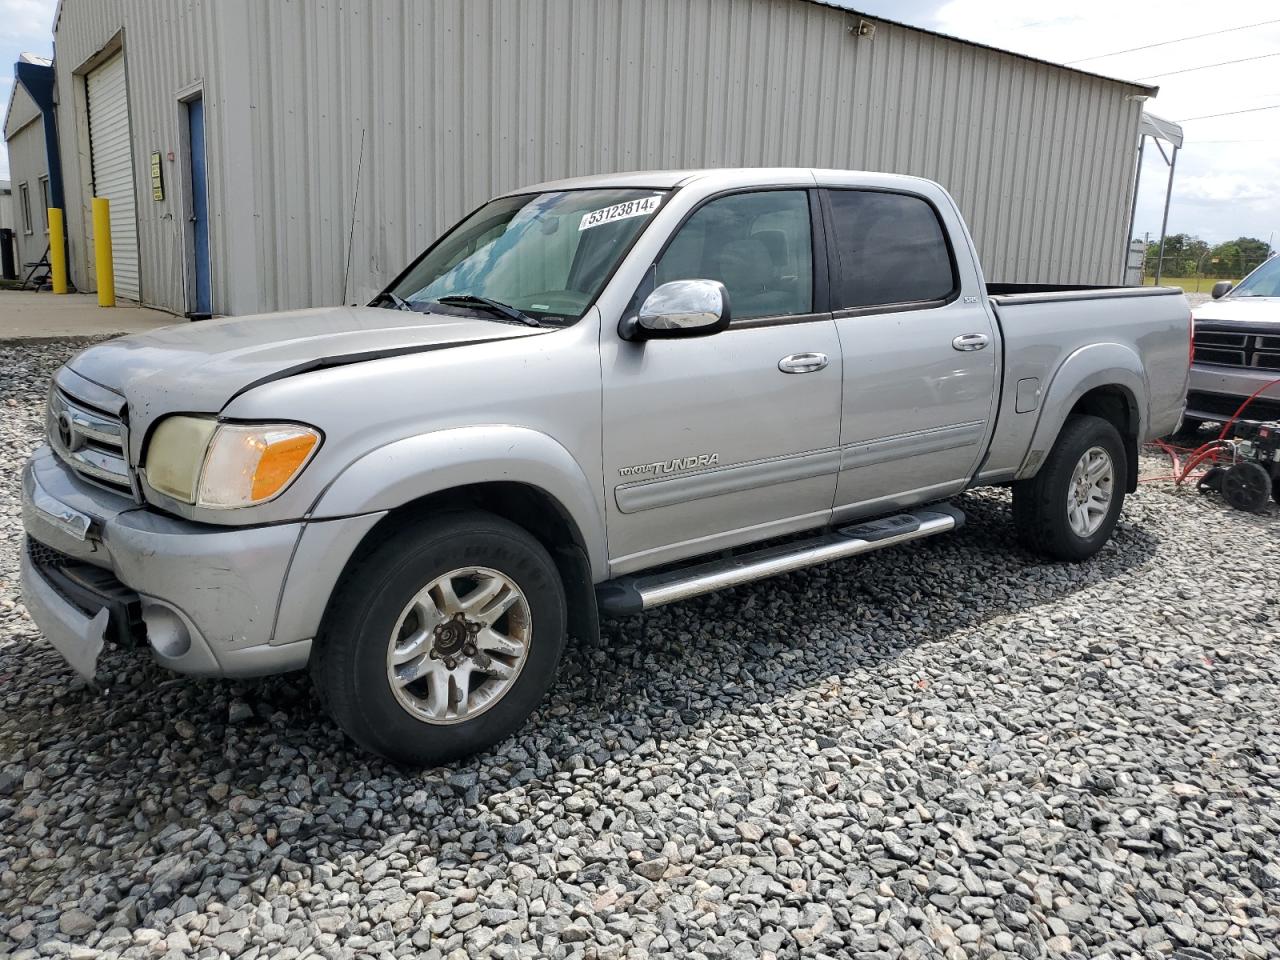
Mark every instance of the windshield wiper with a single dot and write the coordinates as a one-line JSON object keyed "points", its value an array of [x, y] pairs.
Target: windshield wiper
{"points": [[493, 306], [388, 297]]}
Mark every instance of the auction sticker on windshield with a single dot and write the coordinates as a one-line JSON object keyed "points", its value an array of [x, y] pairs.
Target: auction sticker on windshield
{"points": [[619, 211]]}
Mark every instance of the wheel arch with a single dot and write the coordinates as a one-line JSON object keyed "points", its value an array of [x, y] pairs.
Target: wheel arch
{"points": [[521, 475], [1104, 380], [528, 507], [1117, 405]]}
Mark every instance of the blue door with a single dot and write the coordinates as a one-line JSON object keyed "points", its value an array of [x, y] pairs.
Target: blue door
{"points": [[203, 305]]}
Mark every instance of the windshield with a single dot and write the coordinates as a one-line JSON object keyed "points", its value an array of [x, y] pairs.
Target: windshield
{"points": [[546, 254], [1263, 282]]}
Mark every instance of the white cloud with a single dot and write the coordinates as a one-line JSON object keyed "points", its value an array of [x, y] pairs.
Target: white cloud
{"points": [[1223, 188], [31, 19]]}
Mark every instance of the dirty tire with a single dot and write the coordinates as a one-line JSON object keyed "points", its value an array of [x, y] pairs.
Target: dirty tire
{"points": [[349, 663], [1040, 513]]}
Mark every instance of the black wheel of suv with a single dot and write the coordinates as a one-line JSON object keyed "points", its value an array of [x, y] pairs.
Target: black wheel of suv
{"points": [[441, 641], [1068, 510]]}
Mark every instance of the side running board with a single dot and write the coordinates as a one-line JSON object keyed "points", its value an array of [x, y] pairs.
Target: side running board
{"points": [[629, 595]]}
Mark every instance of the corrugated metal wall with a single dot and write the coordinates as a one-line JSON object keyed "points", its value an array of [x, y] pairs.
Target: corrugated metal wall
{"points": [[168, 48], [27, 165], [458, 99]]}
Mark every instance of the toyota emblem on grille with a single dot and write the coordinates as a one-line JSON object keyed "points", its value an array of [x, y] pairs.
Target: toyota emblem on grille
{"points": [[66, 433]]}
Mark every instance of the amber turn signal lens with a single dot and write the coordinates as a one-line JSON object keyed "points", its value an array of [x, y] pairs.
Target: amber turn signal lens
{"points": [[279, 462], [251, 463]]}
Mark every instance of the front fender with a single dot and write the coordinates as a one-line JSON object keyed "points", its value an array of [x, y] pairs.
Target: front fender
{"points": [[1090, 367], [408, 469]]}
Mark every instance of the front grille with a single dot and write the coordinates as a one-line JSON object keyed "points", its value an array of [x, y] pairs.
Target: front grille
{"points": [[91, 441], [45, 556], [1236, 348]]}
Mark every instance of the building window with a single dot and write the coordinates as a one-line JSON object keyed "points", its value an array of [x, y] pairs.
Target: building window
{"points": [[24, 198], [44, 201]]}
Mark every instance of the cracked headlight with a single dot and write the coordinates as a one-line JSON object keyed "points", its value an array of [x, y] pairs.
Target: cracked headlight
{"points": [[226, 465]]}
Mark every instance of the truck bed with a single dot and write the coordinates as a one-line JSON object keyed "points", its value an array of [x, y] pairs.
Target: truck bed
{"points": [[1012, 292], [1135, 335]]}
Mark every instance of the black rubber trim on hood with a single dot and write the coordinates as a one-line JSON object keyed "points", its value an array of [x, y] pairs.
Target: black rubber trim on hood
{"points": [[346, 359]]}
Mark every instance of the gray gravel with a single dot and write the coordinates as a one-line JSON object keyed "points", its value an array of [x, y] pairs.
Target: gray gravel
{"points": [[951, 750]]}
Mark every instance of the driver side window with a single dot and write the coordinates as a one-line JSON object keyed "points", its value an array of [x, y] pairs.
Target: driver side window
{"points": [[759, 245]]}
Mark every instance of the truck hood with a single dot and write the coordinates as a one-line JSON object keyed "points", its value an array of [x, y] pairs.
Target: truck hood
{"points": [[200, 367], [1240, 310]]}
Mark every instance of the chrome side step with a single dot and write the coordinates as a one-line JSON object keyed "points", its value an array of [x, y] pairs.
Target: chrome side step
{"points": [[628, 595]]}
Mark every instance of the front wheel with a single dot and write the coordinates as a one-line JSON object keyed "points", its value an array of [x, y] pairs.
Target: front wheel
{"points": [[1069, 508], [442, 641]]}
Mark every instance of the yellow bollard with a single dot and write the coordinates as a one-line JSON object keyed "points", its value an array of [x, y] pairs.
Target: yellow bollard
{"points": [[102, 252], [57, 251]]}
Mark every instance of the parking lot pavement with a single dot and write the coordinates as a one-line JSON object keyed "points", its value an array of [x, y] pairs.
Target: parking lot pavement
{"points": [[949, 750], [26, 314]]}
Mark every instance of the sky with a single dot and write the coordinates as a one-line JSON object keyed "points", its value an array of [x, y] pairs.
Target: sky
{"points": [[1227, 182], [26, 26]]}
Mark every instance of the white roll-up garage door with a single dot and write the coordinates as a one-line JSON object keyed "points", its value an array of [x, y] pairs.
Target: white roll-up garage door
{"points": [[112, 158]]}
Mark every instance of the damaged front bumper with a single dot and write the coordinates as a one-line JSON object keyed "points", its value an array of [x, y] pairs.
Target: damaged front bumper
{"points": [[99, 569]]}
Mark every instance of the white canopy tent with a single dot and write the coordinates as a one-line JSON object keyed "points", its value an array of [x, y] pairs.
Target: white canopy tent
{"points": [[1157, 129]]}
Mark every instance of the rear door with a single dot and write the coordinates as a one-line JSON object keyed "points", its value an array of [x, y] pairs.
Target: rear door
{"points": [[921, 352], [716, 441]]}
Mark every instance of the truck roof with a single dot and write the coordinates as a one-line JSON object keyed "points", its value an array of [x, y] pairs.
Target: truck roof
{"points": [[667, 179]]}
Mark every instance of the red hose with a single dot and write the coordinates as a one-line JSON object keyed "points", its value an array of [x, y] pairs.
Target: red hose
{"points": [[1206, 451], [1240, 409]]}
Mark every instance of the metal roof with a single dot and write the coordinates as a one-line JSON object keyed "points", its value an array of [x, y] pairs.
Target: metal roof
{"points": [[837, 5], [1152, 126]]}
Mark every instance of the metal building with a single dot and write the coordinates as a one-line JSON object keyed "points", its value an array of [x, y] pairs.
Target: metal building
{"points": [[273, 155], [28, 131]]}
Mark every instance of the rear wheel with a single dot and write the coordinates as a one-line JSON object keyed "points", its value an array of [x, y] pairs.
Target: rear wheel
{"points": [[1069, 508], [443, 640]]}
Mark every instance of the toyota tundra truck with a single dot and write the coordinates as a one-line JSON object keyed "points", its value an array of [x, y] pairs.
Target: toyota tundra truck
{"points": [[589, 398]]}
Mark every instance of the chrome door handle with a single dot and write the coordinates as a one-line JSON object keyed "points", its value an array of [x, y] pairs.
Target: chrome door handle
{"points": [[803, 362], [971, 341]]}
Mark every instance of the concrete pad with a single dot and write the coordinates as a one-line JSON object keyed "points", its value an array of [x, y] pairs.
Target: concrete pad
{"points": [[27, 315]]}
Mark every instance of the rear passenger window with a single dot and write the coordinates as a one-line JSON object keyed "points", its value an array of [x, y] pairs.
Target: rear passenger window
{"points": [[889, 248], [759, 245]]}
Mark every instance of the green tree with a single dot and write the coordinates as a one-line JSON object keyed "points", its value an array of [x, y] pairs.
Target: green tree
{"points": [[1235, 258], [1182, 255], [1224, 261]]}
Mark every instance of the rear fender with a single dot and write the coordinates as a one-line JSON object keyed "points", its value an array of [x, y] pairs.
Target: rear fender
{"points": [[1090, 367]]}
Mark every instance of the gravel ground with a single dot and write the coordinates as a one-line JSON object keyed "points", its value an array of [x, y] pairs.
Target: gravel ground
{"points": [[949, 750]]}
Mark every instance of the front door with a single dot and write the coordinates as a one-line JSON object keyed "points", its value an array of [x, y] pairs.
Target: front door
{"points": [[716, 441], [921, 353], [201, 301]]}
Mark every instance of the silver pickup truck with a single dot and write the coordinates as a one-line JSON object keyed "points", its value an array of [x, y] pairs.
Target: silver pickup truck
{"points": [[588, 398]]}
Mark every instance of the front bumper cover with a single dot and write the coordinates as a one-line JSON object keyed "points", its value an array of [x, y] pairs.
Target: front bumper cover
{"points": [[207, 596]]}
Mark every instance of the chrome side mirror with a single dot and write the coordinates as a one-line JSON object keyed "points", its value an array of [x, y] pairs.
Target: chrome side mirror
{"points": [[1221, 289], [681, 308]]}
